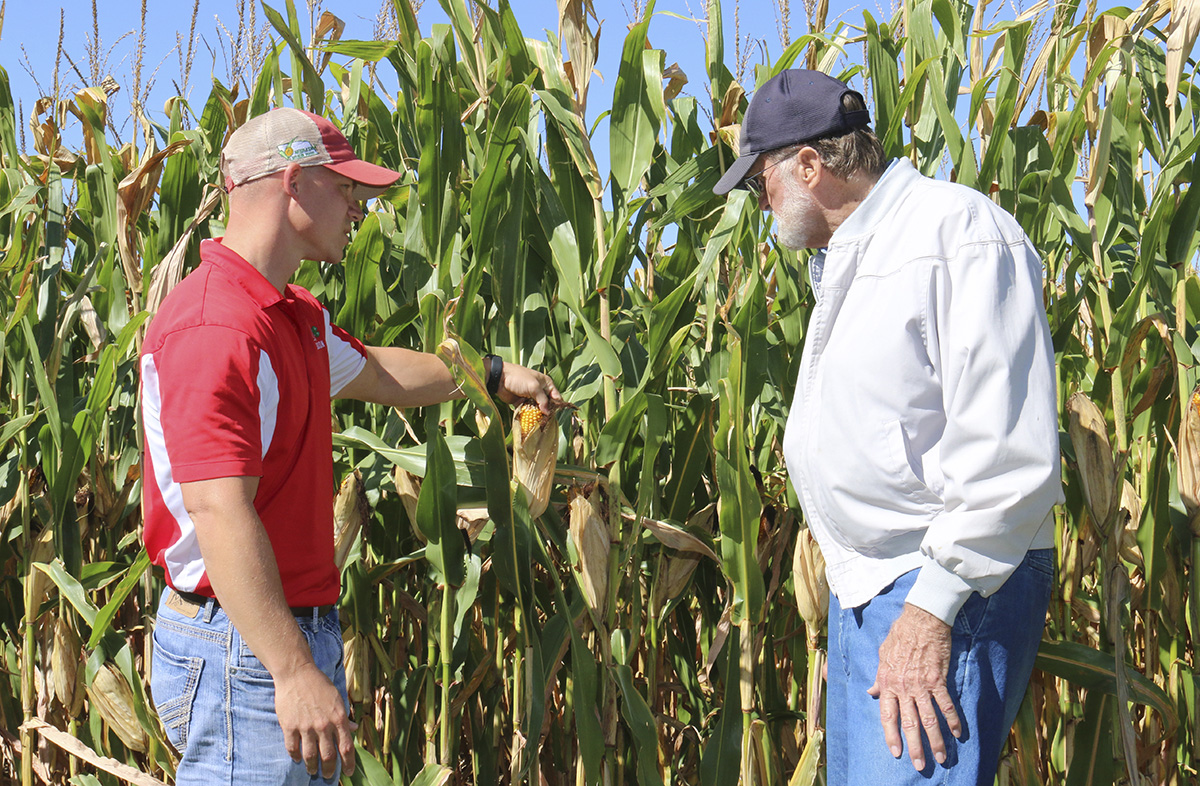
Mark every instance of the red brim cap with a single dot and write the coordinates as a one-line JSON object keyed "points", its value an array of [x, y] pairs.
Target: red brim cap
{"points": [[373, 179]]}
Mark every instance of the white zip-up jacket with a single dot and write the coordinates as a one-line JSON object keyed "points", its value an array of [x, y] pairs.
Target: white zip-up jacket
{"points": [[924, 429]]}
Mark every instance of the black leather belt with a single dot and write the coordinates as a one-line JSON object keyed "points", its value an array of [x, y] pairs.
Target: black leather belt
{"points": [[190, 603]]}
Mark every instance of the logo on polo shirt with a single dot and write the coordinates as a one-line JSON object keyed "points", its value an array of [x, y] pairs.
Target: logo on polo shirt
{"points": [[297, 150], [317, 337]]}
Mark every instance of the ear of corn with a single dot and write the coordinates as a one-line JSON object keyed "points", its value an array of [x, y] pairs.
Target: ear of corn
{"points": [[1093, 453], [64, 667], [535, 455], [356, 654], [812, 588], [588, 513], [408, 486], [110, 695], [351, 512]]}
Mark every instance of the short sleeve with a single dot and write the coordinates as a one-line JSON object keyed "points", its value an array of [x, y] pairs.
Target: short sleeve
{"points": [[347, 356], [209, 401]]}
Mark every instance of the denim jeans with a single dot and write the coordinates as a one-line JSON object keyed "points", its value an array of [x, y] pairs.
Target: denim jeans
{"points": [[994, 641], [217, 701]]}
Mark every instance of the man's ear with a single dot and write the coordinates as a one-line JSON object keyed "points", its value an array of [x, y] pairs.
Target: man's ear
{"points": [[809, 166], [291, 180]]}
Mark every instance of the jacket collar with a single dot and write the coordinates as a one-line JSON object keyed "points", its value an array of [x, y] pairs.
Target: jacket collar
{"points": [[261, 291], [894, 181]]}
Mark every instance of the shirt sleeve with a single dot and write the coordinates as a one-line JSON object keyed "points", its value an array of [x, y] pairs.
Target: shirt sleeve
{"points": [[999, 453], [216, 399], [347, 356]]}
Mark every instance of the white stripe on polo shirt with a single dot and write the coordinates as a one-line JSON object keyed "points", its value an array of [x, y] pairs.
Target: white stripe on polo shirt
{"points": [[183, 560]]}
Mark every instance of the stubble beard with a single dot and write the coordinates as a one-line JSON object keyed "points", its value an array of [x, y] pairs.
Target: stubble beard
{"points": [[795, 218]]}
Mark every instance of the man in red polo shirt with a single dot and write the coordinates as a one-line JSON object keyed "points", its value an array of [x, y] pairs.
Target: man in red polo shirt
{"points": [[238, 368]]}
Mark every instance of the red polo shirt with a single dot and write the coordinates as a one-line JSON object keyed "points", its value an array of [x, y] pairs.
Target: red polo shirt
{"points": [[236, 381]]}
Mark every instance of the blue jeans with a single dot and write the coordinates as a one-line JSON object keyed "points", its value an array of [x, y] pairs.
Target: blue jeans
{"points": [[217, 701], [993, 645]]}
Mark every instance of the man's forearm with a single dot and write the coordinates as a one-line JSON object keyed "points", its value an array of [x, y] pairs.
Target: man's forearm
{"points": [[399, 377]]}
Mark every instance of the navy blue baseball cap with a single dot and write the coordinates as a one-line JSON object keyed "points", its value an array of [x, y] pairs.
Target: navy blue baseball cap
{"points": [[794, 106]]}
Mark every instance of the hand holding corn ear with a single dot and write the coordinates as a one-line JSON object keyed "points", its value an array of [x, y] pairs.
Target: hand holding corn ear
{"points": [[518, 383]]}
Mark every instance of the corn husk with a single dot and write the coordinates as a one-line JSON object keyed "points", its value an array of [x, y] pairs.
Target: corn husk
{"points": [[677, 574], [408, 486], [1188, 448], [357, 653], [588, 514], [1131, 517], [38, 583], [812, 587], [472, 521], [66, 676], [1094, 456], [535, 455], [350, 513], [110, 695]]}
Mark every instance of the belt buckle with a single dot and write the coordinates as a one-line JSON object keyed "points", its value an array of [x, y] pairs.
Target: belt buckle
{"points": [[179, 604]]}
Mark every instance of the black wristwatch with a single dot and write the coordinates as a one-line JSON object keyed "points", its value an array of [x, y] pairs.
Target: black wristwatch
{"points": [[494, 367]]}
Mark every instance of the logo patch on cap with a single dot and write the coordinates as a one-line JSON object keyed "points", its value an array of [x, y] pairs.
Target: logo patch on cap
{"points": [[297, 149]]}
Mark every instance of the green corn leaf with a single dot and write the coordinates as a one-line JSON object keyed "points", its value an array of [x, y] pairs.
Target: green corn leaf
{"points": [[1096, 671], [361, 266], [70, 588], [640, 722], [1092, 763], [102, 623], [722, 756], [437, 509], [314, 88], [638, 109]]}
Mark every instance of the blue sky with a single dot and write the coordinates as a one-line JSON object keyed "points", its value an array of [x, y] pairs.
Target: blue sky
{"points": [[29, 41]]}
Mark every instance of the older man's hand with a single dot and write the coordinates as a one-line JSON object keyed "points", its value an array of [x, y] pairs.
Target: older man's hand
{"points": [[911, 682]]}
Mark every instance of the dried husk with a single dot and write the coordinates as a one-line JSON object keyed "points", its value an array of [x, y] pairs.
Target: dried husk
{"points": [[1131, 517], [357, 661], [588, 515], [1093, 454], [350, 513], [38, 583], [1188, 448], [535, 455], [110, 695], [678, 572], [408, 486], [67, 677], [812, 587]]}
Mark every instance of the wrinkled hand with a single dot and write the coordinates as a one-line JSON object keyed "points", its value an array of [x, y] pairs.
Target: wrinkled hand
{"points": [[316, 729], [911, 681], [518, 383]]}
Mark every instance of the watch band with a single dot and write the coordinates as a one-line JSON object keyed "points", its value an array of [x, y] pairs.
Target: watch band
{"points": [[495, 370]]}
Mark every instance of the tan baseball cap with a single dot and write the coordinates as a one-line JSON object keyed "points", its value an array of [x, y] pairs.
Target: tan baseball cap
{"points": [[269, 142]]}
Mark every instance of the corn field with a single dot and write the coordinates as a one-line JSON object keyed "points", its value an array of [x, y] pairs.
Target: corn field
{"points": [[625, 593]]}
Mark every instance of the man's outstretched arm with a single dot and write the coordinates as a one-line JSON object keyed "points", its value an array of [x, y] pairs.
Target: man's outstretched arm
{"points": [[401, 377]]}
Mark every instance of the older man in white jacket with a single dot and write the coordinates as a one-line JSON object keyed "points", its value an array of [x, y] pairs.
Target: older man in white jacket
{"points": [[923, 438]]}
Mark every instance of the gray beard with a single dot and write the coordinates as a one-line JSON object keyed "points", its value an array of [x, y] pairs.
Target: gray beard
{"points": [[794, 218]]}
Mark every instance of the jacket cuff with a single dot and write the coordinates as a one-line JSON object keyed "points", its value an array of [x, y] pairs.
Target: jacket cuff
{"points": [[939, 591]]}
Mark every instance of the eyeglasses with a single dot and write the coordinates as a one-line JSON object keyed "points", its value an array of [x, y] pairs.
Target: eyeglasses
{"points": [[757, 184]]}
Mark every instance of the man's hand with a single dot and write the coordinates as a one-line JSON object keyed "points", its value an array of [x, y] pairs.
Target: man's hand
{"points": [[315, 727], [911, 681], [518, 383]]}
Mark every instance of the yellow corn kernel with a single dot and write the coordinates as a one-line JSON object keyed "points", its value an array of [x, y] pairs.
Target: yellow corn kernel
{"points": [[530, 417]]}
